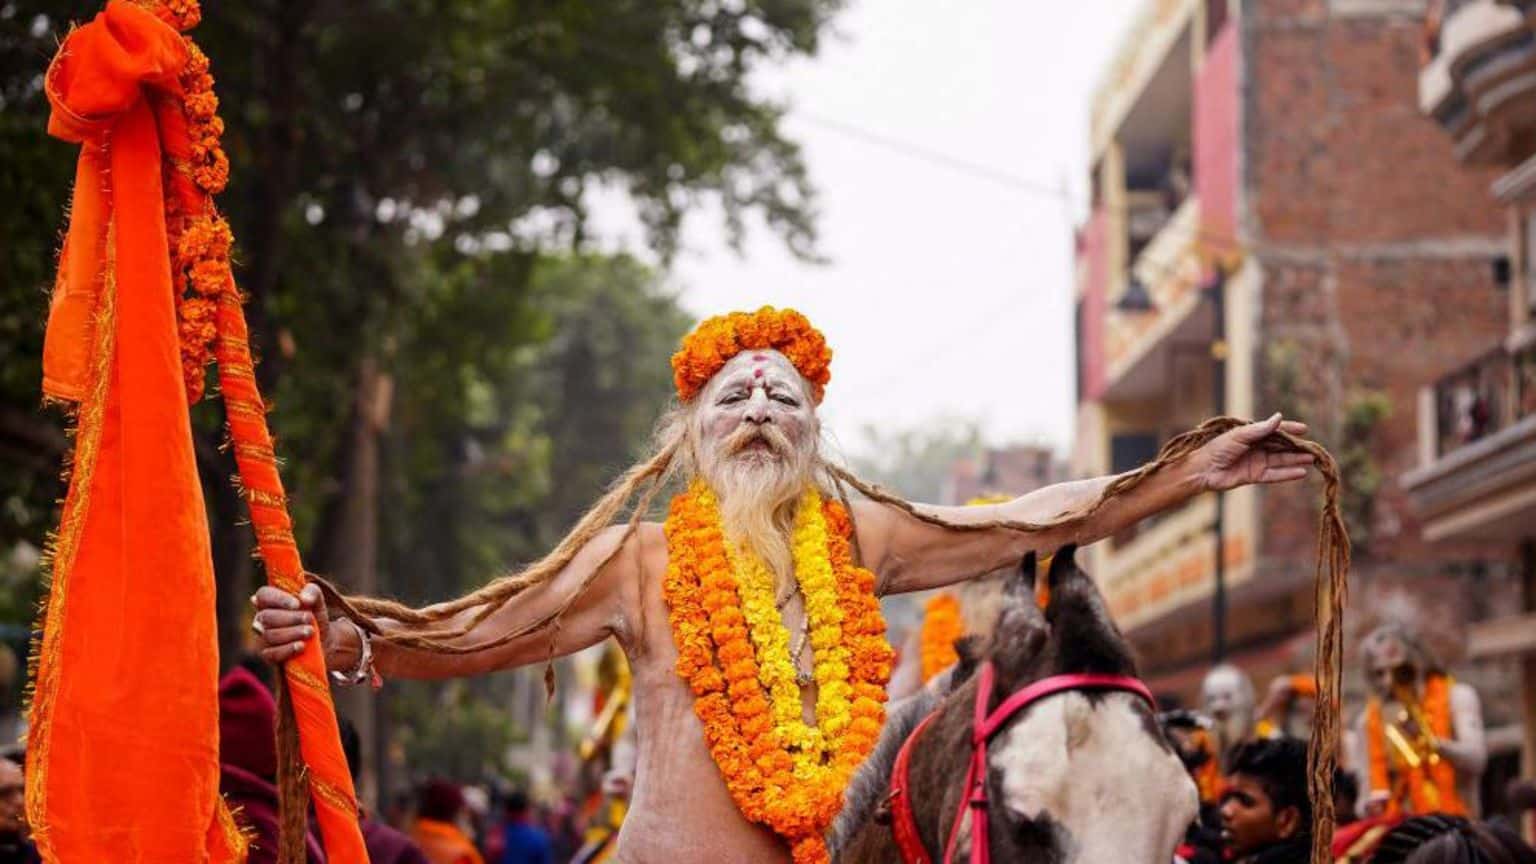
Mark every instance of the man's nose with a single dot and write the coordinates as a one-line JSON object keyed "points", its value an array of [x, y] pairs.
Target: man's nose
{"points": [[757, 408]]}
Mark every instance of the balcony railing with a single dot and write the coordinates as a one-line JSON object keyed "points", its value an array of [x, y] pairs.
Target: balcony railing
{"points": [[1491, 393]]}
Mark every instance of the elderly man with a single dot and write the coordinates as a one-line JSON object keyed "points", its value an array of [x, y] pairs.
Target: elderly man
{"points": [[1419, 744], [749, 618]]}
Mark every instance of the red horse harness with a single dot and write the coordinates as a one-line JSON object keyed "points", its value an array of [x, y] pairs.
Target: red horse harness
{"points": [[904, 824]]}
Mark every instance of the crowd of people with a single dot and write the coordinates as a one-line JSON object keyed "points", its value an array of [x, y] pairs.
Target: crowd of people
{"points": [[1407, 789]]}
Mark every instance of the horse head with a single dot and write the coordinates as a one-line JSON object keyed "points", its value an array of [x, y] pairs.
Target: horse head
{"points": [[1077, 776]]}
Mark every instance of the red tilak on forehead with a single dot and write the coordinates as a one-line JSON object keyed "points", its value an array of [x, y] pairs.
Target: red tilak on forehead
{"points": [[759, 356], [758, 372]]}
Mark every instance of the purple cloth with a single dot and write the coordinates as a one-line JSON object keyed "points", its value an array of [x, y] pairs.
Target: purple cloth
{"points": [[388, 846]]}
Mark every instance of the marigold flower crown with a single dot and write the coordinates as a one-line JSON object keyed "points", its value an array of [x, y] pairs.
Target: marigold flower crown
{"points": [[716, 340]]}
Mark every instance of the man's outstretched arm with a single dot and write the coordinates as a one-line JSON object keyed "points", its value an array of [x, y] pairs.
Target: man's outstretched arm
{"points": [[909, 554], [600, 611]]}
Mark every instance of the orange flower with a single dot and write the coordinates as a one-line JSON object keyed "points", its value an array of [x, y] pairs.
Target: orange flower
{"points": [[941, 627], [717, 658], [716, 340]]}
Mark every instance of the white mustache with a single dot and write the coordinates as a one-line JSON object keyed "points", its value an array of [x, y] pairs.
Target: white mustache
{"points": [[746, 436]]}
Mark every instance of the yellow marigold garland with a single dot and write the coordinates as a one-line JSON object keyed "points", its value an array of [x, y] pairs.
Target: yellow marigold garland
{"points": [[716, 340], [941, 627], [775, 777]]}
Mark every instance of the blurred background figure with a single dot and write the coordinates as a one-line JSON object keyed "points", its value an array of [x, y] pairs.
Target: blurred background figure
{"points": [[1190, 734], [1266, 816], [15, 847], [385, 844], [439, 806], [1420, 745], [1226, 697], [248, 762], [523, 842]]}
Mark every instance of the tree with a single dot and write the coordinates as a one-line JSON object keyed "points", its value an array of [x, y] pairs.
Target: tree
{"points": [[396, 166]]}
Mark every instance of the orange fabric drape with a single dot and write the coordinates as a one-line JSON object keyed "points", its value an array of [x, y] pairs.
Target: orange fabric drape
{"points": [[122, 752], [123, 745], [1429, 788]]}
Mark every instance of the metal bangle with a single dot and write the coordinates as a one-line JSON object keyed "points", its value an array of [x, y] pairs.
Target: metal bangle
{"points": [[364, 669]]}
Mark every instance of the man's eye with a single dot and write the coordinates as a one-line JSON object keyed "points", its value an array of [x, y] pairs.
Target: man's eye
{"points": [[731, 398], [786, 400]]}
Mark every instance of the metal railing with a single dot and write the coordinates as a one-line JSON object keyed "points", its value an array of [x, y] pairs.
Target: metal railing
{"points": [[1491, 393]]}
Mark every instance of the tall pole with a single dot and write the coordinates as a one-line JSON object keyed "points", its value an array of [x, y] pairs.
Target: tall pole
{"points": [[1218, 289]]}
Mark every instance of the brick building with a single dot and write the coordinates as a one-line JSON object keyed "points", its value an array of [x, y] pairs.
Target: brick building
{"points": [[1476, 479], [1276, 226], [1012, 470]]}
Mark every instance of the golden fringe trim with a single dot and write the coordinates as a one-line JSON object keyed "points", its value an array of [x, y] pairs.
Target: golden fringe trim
{"points": [[239, 836], [265, 499], [302, 675], [333, 796], [63, 546]]}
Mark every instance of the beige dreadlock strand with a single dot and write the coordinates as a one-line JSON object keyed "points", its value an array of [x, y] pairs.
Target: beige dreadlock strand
{"points": [[1330, 597]]}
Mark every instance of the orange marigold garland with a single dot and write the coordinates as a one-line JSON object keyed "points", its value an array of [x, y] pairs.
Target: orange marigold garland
{"points": [[756, 758], [1430, 786], [941, 627], [195, 169], [716, 340]]}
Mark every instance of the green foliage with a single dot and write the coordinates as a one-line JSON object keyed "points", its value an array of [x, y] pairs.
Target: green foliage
{"points": [[452, 732], [1360, 475], [408, 194]]}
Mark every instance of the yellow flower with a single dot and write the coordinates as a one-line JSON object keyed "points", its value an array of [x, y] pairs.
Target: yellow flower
{"points": [[733, 651]]}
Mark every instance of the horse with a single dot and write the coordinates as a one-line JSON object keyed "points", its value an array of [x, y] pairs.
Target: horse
{"points": [[1080, 774]]}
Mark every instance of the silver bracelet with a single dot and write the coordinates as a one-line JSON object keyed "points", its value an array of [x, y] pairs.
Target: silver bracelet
{"points": [[364, 670]]}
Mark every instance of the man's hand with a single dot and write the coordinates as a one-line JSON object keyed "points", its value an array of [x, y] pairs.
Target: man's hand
{"points": [[283, 623], [1234, 458]]}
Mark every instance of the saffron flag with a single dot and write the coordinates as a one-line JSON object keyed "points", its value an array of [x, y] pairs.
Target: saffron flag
{"points": [[123, 746], [122, 755]]}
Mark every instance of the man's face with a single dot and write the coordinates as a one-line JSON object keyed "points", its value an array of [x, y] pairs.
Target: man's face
{"points": [[756, 409], [11, 797], [1224, 695], [1389, 664], [1248, 818]]}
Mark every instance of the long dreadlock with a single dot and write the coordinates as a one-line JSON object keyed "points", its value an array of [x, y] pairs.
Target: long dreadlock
{"points": [[673, 450]]}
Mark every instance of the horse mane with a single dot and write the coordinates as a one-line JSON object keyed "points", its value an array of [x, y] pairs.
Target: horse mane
{"points": [[869, 785]]}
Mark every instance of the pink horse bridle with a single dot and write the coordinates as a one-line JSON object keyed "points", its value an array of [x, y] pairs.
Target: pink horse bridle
{"points": [[904, 824]]}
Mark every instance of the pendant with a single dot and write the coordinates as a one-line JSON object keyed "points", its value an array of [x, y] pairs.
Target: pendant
{"points": [[803, 677]]}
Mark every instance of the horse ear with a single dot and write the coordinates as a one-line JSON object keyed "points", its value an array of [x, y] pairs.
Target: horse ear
{"points": [[1022, 585], [1063, 564]]}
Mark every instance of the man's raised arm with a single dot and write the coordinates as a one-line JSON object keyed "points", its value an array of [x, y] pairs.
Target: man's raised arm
{"points": [[283, 622], [910, 554]]}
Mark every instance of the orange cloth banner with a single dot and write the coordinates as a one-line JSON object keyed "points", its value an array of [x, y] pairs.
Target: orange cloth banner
{"points": [[122, 757]]}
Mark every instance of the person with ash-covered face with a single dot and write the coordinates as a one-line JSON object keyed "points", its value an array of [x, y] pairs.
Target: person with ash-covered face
{"points": [[751, 617], [1420, 746], [1226, 697]]}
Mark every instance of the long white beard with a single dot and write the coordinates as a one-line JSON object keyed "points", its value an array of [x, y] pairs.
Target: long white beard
{"points": [[758, 492]]}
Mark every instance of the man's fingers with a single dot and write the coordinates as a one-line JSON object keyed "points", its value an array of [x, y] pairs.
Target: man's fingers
{"points": [[309, 595], [1290, 460], [1282, 475], [1258, 430], [282, 653], [1293, 427], [273, 620], [269, 597], [285, 635]]}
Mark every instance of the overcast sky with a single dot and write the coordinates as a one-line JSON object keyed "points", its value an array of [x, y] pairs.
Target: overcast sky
{"points": [[948, 291]]}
